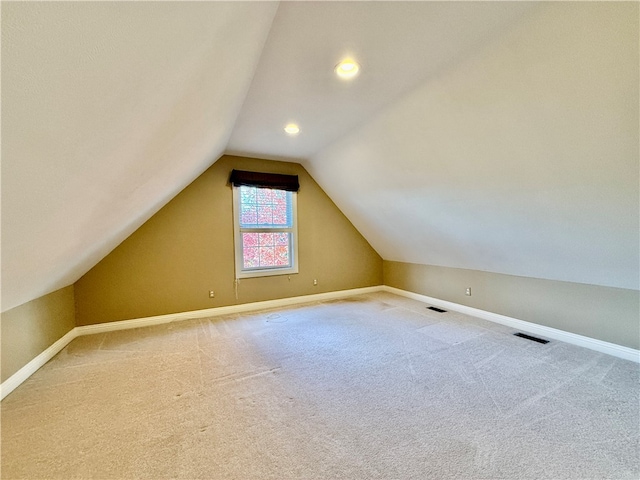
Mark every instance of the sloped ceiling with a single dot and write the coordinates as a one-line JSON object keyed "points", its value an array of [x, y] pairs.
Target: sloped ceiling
{"points": [[496, 136], [109, 109], [521, 159]]}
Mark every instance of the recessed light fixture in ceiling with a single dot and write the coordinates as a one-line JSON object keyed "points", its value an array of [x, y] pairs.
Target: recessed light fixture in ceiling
{"points": [[347, 68], [292, 129]]}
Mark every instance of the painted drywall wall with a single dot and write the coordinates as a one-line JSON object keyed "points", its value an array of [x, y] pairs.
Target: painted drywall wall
{"points": [[604, 313], [172, 261], [29, 329], [523, 159]]}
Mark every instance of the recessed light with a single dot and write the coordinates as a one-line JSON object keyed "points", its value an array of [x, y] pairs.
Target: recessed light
{"points": [[292, 129], [347, 68]]}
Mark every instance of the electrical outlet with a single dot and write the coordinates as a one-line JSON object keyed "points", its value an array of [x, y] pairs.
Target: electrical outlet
{"points": [[212, 294], [468, 292], [315, 282]]}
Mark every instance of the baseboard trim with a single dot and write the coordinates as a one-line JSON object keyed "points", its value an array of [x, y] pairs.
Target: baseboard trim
{"points": [[10, 384], [601, 346], [30, 368], [15, 380], [218, 311]]}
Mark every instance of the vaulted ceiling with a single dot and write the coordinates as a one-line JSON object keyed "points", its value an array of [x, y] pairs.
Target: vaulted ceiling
{"points": [[497, 136]]}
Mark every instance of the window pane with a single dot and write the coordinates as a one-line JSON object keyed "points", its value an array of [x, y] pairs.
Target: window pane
{"points": [[267, 257], [247, 194], [265, 239], [279, 197], [265, 215], [265, 195], [251, 257], [280, 215], [281, 255], [266, 249], [264, 207], [249, 215], [281, 238], [249, 240]]}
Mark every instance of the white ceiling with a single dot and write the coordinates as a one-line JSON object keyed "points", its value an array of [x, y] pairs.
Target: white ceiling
{"points": [[398, 44], [497, 136], [521, 159], [109, 109]]}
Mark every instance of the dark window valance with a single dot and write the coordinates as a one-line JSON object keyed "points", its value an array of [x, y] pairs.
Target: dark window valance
{"points": [[265, 180]]}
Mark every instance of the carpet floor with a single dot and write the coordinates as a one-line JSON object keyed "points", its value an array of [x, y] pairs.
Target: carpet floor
{"points": [[369, 387]]}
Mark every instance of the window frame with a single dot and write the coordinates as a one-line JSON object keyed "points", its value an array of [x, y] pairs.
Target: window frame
{"points": [[240, 271]]}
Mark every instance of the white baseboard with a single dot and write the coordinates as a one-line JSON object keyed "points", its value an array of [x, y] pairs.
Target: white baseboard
{"points": [[613, 349], [217, 311], [30, 368], [11, 383]]}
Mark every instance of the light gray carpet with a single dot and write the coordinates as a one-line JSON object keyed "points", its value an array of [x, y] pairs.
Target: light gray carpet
{"points": [[372, 387]]}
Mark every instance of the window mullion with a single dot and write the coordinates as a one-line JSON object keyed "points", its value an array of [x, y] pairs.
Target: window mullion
{"points": [[265, 230]]}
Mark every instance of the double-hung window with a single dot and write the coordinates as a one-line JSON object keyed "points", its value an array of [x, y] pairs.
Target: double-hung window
{"points": [[265, 230]]}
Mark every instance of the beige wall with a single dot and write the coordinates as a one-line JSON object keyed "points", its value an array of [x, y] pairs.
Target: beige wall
{"points": [[29, 329], [172, 261], [603, 313]]}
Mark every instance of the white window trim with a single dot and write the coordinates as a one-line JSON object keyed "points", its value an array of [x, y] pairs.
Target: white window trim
{"points": [[237, 240]]}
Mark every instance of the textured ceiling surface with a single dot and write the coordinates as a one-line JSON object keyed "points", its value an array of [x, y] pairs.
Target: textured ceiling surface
{"points": [[498, 136]]}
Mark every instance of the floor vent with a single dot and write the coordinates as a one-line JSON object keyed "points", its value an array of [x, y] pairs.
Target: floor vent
{"points": [[529, 337], [436, 309]]}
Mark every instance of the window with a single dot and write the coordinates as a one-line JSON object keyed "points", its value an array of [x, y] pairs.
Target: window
{"points": [[265, 231]]}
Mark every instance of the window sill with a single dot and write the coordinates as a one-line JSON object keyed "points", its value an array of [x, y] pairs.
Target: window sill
{"points": [[272, 272]]}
